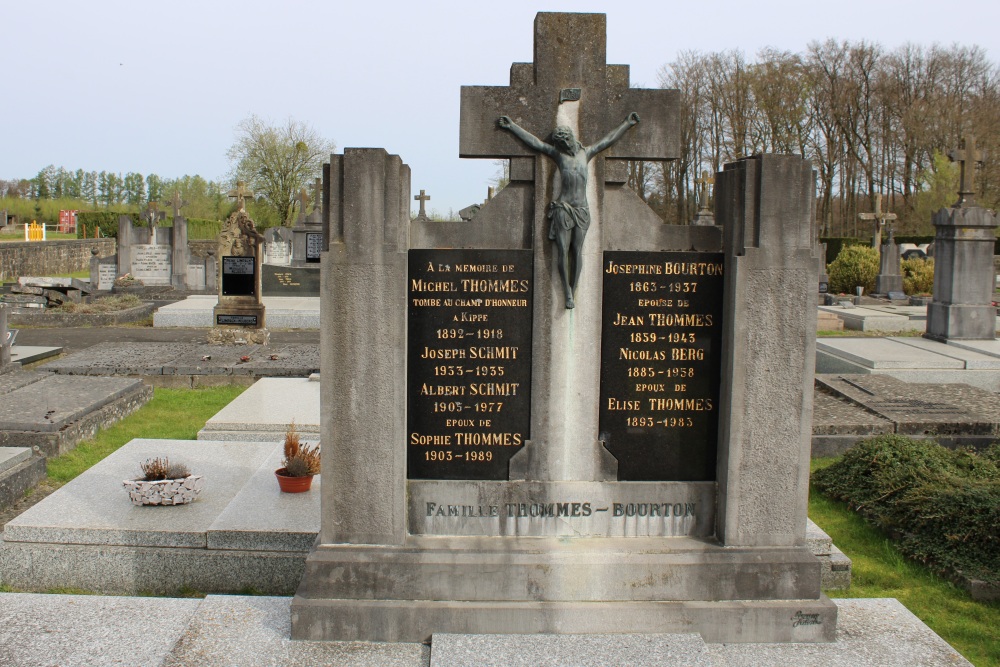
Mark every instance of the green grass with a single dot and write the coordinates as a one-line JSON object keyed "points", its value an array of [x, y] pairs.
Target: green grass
{"points": [[881, 571], [171, 414]]}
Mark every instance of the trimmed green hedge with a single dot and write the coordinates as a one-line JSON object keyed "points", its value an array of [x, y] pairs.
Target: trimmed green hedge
{"points": [[942, 505]]}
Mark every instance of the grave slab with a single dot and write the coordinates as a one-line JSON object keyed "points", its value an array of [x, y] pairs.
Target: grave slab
{"points": [[12, 456], [94, 509], [987, 347], [290, 523], [27, 354], [971, 358], [921, 409], [866, 319], [96, 631], [882, 354], [283, 312], [55, 401], [264, 411]]}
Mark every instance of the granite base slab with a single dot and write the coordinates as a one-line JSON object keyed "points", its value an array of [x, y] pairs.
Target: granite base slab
{"points": [[18, 474], [29, 354], [96, 631]]}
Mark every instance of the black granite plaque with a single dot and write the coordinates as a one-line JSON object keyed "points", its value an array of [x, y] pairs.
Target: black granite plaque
{"points": [[469, 362], [290, 280], [660, 361], [238, 276], [314, 246], [237, 320]]}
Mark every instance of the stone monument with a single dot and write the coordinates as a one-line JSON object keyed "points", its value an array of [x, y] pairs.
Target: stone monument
{"points": [[704, 215], [889, 279], [963, 261], [499, 463], [239, 314], [423, 198], [307, 233]]}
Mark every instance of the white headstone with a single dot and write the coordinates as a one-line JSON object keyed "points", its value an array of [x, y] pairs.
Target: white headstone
{"points": [[278, 252], [151, 264], [105, 276]]}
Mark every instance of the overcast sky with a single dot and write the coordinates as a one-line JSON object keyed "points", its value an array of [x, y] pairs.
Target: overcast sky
{"points": [[123, 86]]}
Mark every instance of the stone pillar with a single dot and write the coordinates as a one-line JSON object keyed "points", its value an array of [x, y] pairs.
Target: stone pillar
{"points": [[765, 205], [889, 279], [180, 255], [125, 241], [364, 400], [4, 346]]}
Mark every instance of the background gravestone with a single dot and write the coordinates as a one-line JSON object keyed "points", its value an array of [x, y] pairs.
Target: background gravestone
{"points": [[421, 530], [963, 261], [239, 314]]}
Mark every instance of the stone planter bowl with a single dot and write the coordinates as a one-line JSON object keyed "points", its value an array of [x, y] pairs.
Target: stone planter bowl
{"points": [[164, 491]]}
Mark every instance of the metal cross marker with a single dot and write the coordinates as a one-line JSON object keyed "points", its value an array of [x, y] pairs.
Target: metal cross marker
{"points": [[879, 218], [422, 198], [240, 193], [963, 155], [704, 182], [177, 203]]}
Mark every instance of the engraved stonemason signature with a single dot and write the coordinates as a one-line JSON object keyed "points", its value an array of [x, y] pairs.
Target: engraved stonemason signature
{"points": [[569, 213], [805, 619]]}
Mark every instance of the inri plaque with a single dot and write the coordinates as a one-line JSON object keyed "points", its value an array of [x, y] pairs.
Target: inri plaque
{"points": [[469, 362], [660, 363]]}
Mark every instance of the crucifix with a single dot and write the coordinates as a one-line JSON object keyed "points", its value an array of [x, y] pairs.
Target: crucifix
{"points": [[422, 215], [569, 213], [964, 155], [879, 218], [583, 93], [704, 182], [152, 215], [177, 203], [570, 84], [240, 193]]}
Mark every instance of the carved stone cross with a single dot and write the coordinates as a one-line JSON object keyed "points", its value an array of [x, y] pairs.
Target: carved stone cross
{"points": [[704, 182], [177, 203], [535, 91], [422, 215], [879, 218], [317, 194], [303, 201], [964, 155], [240, 193]]}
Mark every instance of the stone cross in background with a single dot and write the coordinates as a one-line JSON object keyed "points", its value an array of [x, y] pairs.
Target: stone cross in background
{"points": [[317, 194], [879, 218], [422, 215], [240, 193], [177, 203], [964, 155], [303, 201], [704, 182]]}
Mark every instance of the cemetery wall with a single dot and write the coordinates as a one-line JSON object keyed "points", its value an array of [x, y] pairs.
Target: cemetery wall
{"points": [[45, 258]]}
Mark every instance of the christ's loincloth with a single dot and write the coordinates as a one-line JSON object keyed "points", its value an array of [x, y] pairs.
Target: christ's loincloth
{"points": [[566, 216]]}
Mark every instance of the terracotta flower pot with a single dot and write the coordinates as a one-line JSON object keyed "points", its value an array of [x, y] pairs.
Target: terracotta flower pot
{"points": [[293, 484]]}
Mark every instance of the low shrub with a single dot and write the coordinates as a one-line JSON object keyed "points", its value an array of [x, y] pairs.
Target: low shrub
{"points": [[943, 506], [855, 266], [918, 275]]}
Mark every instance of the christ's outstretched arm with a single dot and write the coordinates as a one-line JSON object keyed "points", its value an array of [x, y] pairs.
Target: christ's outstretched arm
{"points": [[613, 136], [532, 142]]}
